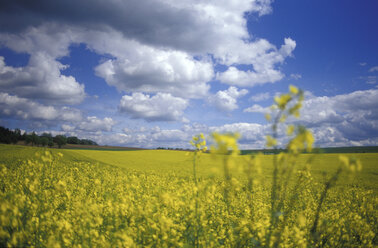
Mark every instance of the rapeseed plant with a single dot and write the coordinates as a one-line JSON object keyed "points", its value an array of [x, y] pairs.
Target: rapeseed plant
{"points": [[199, 143], [61, 199]]}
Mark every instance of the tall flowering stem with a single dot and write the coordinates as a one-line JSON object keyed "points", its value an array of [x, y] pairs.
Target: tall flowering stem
{"points": [[199, 144], [226, 145], [284, 106]]}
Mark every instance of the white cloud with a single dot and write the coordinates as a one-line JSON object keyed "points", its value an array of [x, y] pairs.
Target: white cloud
{"points": [[68, 128], [23, 108], [252, 134], [166, 52], [115, 139], [341, 120], [373, 69], [41, 79], [260, 97], [146, 137], [233, 76], [362, 63], [263, 61], [255, 108], [160, 107], [295, 76], [170, 55], [339, 108], [50, 39], [147, 69], [94, 124], [369, 79], [172, 135], [226, 100]]}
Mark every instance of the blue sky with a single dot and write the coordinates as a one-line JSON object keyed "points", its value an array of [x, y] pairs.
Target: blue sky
{"points": [[155, 73]]}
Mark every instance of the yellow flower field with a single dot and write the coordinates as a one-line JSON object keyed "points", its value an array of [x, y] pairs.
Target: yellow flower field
{"points": [[71, 198]]}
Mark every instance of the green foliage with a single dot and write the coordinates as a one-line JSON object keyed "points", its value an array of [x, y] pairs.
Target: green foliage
{"points": [[60, 140], [73, 140], [8, 136]]}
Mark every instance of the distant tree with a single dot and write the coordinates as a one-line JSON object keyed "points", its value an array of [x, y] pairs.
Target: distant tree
{"points": [[34, 139], [44, 141], [60, 140], [17, 134], [7, 136], [23, 136], [73, 140], [49, 138], [47, 135], [28, 139], [14, 138], [87, 142]]}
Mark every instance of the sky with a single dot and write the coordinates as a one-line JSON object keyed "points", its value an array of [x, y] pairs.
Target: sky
{"points": [[154, 73]]}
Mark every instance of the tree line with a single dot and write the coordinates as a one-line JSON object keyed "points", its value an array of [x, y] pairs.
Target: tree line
{"points": [[8, 136]]}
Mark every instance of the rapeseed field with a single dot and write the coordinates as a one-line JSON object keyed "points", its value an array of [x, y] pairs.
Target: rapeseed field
{"points": [[68, 198], [51, 200]]}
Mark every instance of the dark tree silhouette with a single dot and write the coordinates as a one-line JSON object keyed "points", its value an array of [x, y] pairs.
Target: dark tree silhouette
{"points": [[60, 140]]}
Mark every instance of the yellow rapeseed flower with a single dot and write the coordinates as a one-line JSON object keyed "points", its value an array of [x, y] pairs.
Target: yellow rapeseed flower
{"points": [[294, 90], [270, 141]]}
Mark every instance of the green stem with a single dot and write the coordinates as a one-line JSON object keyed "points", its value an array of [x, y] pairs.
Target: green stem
{"points": [[227, 176], [328, 185], [274, 183], [196, 200]]}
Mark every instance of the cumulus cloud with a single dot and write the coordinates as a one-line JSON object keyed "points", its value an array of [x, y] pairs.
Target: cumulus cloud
{"points": [[263, 61], [23, 108], [41, 79], [295, 76], [146, 137], [72, 119], [143, 68], [94, 124], [160, 62], [357, 107], [226, 100], [68, 128], [260, 97], [166, 52], [170, 135], [373, 69], [369, 79], [341, 120], [160, 107], [255, 108], [253, 135]]}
